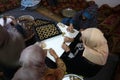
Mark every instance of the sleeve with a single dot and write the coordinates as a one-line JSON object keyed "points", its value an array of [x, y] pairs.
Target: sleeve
{"points": [[72, 21], [60, 64], [70, 54], [61, 69], [76, 41]]}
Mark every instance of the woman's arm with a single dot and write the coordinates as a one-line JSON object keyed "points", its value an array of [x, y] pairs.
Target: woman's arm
{"points": [[61, 67], [59, 62]]}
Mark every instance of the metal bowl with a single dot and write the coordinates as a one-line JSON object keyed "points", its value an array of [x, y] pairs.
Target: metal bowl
{"points": [[68, 12], [25, 17], [27, 21], [72, 77]]}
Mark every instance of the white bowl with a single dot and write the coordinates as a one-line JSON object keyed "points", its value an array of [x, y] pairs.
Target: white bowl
{"points": [[72, 77]]}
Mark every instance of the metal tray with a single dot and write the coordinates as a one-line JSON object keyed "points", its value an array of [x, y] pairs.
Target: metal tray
{"points": [[45, 31]]}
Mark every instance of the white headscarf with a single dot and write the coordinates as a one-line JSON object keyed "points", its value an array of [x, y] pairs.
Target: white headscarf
{"points": [[96, 47]]}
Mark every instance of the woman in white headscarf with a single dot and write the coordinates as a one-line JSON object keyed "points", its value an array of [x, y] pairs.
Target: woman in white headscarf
{"points": [[33, 66], [11, 45], [96, 48], [89, 55]]}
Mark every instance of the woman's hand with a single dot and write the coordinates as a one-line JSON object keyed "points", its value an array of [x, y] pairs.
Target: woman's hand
{"points": [[65, 47], [68, 39], [70, 28], [53, 53]]}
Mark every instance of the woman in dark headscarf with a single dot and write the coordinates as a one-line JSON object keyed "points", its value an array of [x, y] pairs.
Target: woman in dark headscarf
{"points": [[33, 66], [83, 19]]}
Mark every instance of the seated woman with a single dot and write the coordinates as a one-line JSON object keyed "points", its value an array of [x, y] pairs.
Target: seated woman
{"points": [[83, 19], [33, 66], [89, 54], [11, 45]]}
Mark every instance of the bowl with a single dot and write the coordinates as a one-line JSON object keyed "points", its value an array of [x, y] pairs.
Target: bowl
{"points": [[25, 17], [72, 77], [27, 22], [68, 12]]}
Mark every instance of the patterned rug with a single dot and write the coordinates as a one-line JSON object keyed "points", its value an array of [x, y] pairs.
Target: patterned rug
{"points": [[18, 12]]}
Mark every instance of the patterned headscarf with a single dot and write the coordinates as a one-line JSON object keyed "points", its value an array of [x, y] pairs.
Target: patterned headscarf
{"points": [[96, 48]]}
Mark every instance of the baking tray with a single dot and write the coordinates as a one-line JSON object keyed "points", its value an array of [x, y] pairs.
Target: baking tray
{"points": [[46, 30], [39, 22]]}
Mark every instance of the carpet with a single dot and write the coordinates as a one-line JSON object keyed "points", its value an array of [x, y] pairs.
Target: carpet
{"points": [[17, 12], [48, 13]]}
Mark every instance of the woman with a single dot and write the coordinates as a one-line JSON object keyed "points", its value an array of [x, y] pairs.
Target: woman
{"points": [[11, 45], [33, 66], [89, 55], [83, 19]]}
